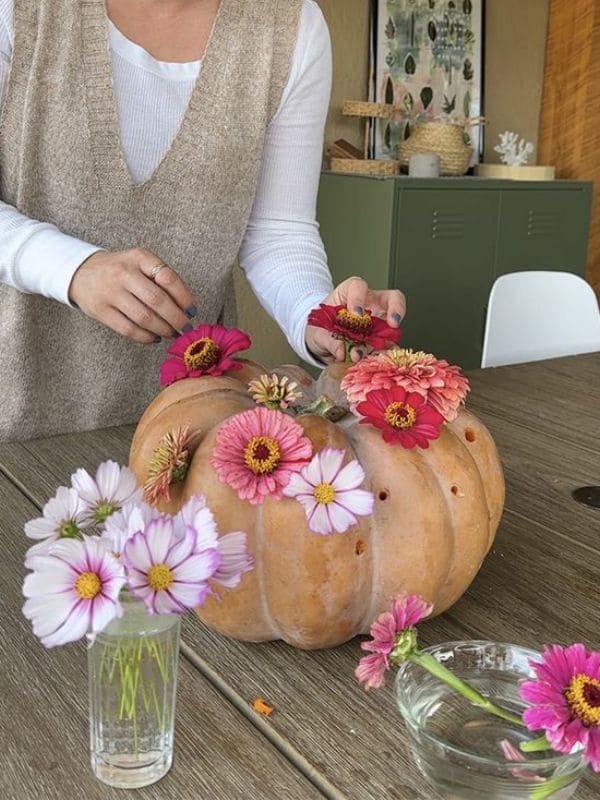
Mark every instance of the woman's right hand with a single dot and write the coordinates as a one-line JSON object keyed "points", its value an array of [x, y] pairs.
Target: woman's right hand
{"points": [[117, 289]]}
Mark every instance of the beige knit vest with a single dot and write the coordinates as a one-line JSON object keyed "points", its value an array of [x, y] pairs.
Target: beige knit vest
{"points": [[61, 162]]}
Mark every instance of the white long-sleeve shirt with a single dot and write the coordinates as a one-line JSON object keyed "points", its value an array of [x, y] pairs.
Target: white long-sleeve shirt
{"points": [[282, 253]]}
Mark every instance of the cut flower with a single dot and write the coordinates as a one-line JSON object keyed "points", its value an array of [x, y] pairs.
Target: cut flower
{"points": [[565, 700], [206, 350], [65, 516], [111, 488], [256, 453], [72, 591], [354, 328], [274, 391], [329, 493], [442, 385], [402, 417]]}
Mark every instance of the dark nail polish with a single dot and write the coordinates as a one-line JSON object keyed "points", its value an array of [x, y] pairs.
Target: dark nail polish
{"points": [[157, 340], [397, 318], [359, 310], [360, 353], [187, 328], [191, 311]]}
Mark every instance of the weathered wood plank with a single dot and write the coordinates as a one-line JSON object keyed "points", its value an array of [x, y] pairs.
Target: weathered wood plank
{"points": [[559, 397], [44, 717]]}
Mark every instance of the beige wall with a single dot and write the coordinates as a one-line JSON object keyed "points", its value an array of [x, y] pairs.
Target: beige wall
{"points": [[514, 64]]}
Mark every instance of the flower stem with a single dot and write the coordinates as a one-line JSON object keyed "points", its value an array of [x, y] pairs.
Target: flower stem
{"points": [[535, 745], [438, 670], [548, 789]]}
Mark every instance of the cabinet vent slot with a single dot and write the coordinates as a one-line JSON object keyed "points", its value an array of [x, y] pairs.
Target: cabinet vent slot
{"points": [[447, 225], [541, 223]]}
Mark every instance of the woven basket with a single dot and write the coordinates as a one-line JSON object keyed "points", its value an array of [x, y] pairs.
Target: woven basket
{"points": [[361, 108], [443, 139], [363, 166]]}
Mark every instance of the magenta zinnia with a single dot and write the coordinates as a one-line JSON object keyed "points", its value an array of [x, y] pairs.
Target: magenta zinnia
{"points": [[207, 350], [257, 451], [401, 416], [565, 700], [352, 327], [393, 638], [442, 385]]}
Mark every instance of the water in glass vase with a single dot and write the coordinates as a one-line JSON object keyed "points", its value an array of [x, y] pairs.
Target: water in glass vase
{"points": [[132, 685], [466, 752]]}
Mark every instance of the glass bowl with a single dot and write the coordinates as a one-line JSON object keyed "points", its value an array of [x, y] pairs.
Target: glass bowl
{"points": [[458, 746]]}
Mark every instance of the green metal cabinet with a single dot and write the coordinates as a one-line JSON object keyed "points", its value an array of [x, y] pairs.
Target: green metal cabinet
{"points": [[445, 241]]}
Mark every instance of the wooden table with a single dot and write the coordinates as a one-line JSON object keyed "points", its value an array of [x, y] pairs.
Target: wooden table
{"points": [[327, 737]]}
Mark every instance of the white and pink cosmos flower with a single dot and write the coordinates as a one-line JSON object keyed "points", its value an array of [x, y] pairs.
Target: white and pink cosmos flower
{"points": [[108, 491], [65, 515], [73, 590], [329, 492]]}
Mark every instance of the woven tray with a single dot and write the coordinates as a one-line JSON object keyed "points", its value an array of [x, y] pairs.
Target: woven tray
{"points": [[362, 166], [359, 108]]}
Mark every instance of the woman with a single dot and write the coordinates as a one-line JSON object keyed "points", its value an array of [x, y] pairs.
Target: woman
{"points": [[143, 145]]}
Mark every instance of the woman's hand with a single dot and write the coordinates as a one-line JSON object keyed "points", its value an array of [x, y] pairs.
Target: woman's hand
{"points": [[355, 294], [125, 292]]}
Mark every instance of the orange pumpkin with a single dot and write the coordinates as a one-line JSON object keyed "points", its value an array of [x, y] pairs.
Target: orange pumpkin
{"points": [[435, 517]]}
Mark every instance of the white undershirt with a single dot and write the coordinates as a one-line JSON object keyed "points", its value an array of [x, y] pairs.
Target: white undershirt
{"points": [[282, 253]]}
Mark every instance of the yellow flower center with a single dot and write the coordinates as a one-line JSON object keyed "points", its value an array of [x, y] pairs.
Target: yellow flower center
{"points": [[88, 585], [401, 357], [400, 415], [160, 577], [360, 323], [324, 493], [583, 695], [262, 455], [202, 354]]}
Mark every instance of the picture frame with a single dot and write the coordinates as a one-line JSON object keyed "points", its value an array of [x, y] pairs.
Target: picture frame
{"points": [[427, 60]]}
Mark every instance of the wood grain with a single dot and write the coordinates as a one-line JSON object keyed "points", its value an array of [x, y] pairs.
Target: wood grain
{"points": [[539, 583], [44, 718]]}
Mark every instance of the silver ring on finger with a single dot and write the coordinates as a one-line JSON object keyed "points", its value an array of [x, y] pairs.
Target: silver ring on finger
{"points": [[155, 270]]}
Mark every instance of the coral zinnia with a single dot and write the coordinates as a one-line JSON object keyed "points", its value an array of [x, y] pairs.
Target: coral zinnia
{"points": [[565, 700], [441, 384], [402, 416], [207, 350], [257, 451], [351, 327]]}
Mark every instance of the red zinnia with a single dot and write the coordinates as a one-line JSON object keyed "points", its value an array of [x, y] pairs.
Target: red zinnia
{"points": [[206, 350], [351, 327], [403, 416]]}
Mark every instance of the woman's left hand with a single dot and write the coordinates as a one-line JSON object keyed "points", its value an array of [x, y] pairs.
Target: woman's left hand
{"points": [[354, 293]]}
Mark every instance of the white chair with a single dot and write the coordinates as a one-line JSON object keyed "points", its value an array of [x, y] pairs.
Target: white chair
{"points": [[536, 315]]}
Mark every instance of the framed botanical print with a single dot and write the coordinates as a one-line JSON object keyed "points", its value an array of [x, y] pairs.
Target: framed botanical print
{"points": [[427, 58]]}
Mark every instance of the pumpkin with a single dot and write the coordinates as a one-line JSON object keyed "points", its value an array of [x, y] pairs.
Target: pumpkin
{"points": [[435, 516]]}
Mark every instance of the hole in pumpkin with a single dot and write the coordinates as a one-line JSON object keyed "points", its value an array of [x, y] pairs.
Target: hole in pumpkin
{"points": [[383, 495], [454, 489], [470, 435], [360, 547]]}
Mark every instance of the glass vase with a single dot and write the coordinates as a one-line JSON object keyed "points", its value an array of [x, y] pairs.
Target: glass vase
{"points": [[132, 669], [462, 749]]}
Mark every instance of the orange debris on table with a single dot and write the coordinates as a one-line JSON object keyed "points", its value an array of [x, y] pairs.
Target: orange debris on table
{"points": [[262, 707]]}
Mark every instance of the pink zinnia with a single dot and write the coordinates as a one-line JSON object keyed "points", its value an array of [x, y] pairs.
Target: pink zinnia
{"points": [[401, 416], [392, 629], [257, 451], [565, 700], [441, 384], [207, 350]]}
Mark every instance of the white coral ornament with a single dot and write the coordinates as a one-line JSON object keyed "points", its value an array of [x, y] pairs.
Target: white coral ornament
{"points": [[514, 151]]}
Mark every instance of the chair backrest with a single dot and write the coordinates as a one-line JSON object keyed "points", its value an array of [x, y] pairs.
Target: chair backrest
{"points": [[536, 315]]}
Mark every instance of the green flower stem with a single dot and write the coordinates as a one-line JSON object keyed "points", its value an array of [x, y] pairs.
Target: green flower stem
{"points": [[548, 789], [438, 670], [535, 745], [348, 347]]}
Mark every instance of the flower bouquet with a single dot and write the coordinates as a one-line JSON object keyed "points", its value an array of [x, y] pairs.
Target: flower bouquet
{"points": [[488, 719], [111, 568], [371, 480]]}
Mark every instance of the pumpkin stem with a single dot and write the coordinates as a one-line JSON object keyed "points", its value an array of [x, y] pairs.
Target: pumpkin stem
{"points": [[323, 406]]}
